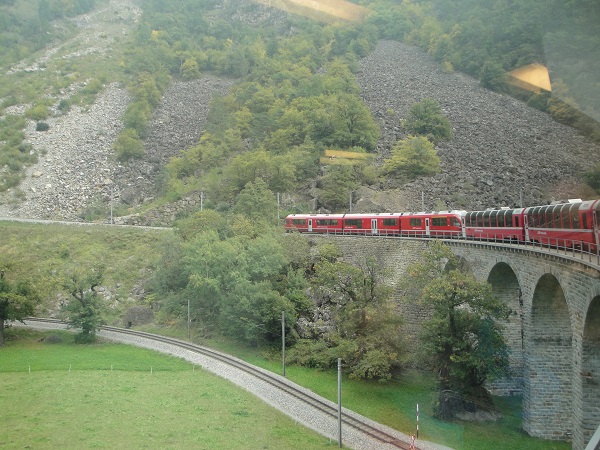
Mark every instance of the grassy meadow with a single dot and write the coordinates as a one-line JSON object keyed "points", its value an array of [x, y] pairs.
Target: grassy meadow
{"points": [[47, 253], [63, 395]]}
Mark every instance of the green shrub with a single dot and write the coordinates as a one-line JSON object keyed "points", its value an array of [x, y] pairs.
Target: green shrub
{"points": [[129, 145], [593, 178], [413, 157], [427, 119], [38, 112], [42, 126]]}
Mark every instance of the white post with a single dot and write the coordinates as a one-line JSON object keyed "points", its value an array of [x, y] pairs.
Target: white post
{"points": [[417, 420]]}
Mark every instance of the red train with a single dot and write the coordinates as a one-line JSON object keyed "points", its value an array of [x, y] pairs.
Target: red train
{"points": [[573, 224]]}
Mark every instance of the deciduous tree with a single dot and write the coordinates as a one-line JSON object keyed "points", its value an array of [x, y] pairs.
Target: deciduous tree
{"points": [[427, 119], [86, 308], [17, 301], [413, 157], [463, 338]]}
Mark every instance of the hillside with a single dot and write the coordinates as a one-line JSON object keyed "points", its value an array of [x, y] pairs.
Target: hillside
{"points": [[501, 149]]}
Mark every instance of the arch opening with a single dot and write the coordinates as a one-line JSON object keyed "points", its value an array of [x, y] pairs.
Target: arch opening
{"points": [[506, 288], [547, 406], [590, 370]]}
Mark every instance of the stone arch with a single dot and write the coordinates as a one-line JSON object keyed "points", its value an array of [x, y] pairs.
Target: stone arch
{"points": [[547, 407], [590, 370], [506, 287]]}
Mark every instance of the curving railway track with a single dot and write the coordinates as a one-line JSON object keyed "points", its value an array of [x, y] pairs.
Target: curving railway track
{"points": [[297, 402]]}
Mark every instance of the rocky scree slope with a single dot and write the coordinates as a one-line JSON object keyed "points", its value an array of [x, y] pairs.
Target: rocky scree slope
{"points": [[501, 149]]}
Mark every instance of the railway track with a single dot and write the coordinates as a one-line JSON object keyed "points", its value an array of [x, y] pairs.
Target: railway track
{"points": [[350, 421]]}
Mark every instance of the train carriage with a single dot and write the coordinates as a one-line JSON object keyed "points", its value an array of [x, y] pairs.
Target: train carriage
{"points": [[434, 224], [386, 224], [572, 224], [503, 224], [315, 223]]}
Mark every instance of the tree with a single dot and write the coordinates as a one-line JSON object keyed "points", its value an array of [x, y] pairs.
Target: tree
{"points": [[463, 338], [364, 326], [17, 301], [427, 119], [336, 186], [413, 157], [85, 309], [257, 202]]}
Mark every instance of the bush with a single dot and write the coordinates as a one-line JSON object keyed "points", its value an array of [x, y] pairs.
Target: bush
{"points": [[42, 126], [128, 145], [593, 178], [37, 112], [427, 119], [413, 157]]}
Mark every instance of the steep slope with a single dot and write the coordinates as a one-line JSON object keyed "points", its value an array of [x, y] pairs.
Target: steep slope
{"points": [[501, 152], [501, 149]]}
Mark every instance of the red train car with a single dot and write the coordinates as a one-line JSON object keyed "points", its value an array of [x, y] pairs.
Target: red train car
{"points": [[495, 224], [386, 224], [573, 224], [433, 224], [315, 223]]}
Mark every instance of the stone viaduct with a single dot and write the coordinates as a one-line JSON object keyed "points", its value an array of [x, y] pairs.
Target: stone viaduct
{"points": [[553, 332]]}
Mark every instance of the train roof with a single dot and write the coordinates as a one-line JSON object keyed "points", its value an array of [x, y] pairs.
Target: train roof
{"points": [[514, 210], [453, 212]]}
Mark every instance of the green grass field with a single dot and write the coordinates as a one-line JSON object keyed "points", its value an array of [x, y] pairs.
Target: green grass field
{"points": [[66, 396]]}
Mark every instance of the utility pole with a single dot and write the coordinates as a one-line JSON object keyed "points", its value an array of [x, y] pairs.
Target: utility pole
{"points": [[283, 341]]}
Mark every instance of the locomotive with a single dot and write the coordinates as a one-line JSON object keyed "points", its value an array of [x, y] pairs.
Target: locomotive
{"points": [[569, 224]]}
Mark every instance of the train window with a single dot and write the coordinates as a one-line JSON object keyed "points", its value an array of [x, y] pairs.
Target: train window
{"points": [[565, 218], [500, 218], [468, 219], [541, 216], [556, 216], [584, 221], [390, 222], [298, 221], [326, 222], [508, 218], [480, 219], [415, 222], [575, 216], [516, 221], [439, 222], [494, 219], [486, 219], [455, 222], [353, 223]]}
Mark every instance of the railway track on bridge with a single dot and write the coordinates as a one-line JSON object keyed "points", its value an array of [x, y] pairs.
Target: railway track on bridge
{"points": [[352, 423]]}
